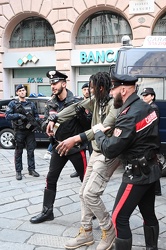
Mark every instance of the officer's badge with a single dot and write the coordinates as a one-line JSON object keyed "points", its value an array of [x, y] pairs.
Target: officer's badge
{"points": [[52, 73], [117, 132]]}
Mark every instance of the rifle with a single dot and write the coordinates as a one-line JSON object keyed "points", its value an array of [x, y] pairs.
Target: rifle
{"points": [[32, 123]]}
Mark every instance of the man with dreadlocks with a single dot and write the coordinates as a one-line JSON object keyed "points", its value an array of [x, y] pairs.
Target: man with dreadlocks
{"points": [[99, 169]]}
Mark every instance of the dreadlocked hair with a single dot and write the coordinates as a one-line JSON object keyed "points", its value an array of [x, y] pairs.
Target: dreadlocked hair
{"points": [[101, 79]]}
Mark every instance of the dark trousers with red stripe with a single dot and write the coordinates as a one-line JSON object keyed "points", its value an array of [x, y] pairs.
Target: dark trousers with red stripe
{"points": [[128, 198], [58, 162]]}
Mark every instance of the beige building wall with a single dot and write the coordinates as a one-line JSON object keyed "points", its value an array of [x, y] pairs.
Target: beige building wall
{"points": [[65, 17]]}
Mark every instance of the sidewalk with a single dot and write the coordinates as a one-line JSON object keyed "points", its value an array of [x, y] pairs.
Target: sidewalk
{"points": [[20, 200]]}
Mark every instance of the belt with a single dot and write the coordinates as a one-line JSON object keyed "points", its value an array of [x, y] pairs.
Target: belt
{"points": [[132, 170], [138, 166]]}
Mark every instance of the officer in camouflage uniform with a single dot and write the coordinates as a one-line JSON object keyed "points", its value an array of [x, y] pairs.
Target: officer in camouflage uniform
{"points": [[23, 129]]}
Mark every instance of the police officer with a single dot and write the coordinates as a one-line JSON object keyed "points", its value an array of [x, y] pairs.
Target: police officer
{"points": [[62, 98], [136, 140], [85, 90], [149, 96], [23, 129]]}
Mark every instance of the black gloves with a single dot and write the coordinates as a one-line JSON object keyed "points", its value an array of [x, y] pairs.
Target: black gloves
{"points": [[53, 118], [22, 117], [79, 110], [83, 117]]}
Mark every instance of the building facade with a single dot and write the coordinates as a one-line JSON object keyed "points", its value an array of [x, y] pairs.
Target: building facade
{"points": [[77, 37]]}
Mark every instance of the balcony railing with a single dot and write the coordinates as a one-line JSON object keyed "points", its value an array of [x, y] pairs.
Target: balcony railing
{"points": [[32, 43], [100, 39]]}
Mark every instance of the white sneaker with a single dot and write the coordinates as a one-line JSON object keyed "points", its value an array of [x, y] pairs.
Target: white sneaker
{"points": [[47, 155]]}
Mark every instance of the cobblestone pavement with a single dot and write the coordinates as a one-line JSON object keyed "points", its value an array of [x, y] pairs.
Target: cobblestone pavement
{"points": [[20, 200]]}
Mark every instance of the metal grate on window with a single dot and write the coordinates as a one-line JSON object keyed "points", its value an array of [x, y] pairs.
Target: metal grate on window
{"points": [[32, 32], [160, 27], [103, 27]]}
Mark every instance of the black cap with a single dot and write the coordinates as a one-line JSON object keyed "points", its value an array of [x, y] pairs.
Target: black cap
{"points": [[85, 85], [148, 91], [55, 76], [20, 86], [119, 80]]}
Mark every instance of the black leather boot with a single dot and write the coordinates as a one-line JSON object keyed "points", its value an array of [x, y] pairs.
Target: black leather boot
{"points": [[123, 244], [151, 237], [47, 211], [158, 188], [73, 175]]}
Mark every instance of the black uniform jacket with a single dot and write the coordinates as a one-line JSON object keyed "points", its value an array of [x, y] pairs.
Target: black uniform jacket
{"points": [[155, 107], [69, 128], [14, 111], [136, 140]]}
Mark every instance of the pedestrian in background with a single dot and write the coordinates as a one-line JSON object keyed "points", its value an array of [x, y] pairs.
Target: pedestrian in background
{"points": [[77, 155], [99, 169], [136, 140], [24, 134], [149, 96]]}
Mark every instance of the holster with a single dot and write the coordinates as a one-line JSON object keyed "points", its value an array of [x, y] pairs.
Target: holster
{"points": [[144, 165], [136, 167]]}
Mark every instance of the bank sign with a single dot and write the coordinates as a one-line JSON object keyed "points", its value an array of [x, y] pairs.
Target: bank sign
{"points": [[93, 57]]}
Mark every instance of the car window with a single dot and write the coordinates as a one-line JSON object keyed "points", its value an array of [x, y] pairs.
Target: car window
{"points": [[41, 106]]}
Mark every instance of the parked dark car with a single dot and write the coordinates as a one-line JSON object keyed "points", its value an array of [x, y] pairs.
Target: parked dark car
{"points": [[6, 130]]}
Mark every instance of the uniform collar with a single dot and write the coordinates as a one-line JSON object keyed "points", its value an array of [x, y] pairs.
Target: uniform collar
{"points": [[132, 98], [68, 97]]}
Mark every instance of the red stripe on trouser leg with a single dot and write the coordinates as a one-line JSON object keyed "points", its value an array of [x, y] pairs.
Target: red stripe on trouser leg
{"points": [[83, 154], [120, 204]]}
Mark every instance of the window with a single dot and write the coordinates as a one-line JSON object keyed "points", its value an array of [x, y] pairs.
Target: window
{"points": [[160, 27], [41, 104], [90, 70], [32, 32], [103, 27]]}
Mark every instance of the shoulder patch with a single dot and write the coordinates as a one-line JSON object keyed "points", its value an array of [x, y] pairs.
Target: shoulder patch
{"points": [[148, 120], [117, 132]]}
